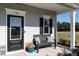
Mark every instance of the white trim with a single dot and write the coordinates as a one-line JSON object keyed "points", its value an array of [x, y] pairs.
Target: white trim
{"points": [[6, 32], [20, 34], [23, 32], [48, 31], [15, 12], [18, 13], [46, 17], [72, 27], [46, 26], [13, 52]]}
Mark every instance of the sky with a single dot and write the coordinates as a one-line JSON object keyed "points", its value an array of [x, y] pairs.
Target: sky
{"points": [[66, 17]]}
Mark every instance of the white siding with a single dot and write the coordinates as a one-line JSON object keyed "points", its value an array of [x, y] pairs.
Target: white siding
{"points": [[3, 35], [31, 26], [31, 21], [29, 32]]}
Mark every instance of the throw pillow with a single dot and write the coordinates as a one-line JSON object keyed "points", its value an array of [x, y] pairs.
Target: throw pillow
{"points": [[37, 39], [50, 39]]}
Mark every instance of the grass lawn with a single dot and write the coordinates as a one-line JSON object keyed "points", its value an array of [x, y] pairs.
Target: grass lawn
{"points": [[66, 36]]}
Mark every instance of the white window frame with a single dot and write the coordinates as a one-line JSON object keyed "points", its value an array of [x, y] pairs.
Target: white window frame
{"points": [[18, 13], [46, 26], [20, 34]]}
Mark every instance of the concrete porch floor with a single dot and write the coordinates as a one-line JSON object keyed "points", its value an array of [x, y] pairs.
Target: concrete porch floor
{"points": [[48, 51]]}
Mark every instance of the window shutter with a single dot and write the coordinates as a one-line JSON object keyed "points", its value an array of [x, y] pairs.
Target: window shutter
{"points": [[41, 25], [50, 26]]}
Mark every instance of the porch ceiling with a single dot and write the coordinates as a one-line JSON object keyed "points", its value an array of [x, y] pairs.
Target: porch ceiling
{"points": [[57, 7]]}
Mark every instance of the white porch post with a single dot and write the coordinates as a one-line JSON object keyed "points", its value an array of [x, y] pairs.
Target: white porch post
{"points": [[72, 29]]}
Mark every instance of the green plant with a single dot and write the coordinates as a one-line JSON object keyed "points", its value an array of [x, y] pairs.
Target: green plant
{"points": [[62, 41], [68, 42]]}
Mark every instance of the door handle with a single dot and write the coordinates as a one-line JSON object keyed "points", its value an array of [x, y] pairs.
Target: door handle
{"points": [[23, 31]]}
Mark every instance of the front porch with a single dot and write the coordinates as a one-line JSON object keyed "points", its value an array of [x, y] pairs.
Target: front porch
{"points": [[29, 24], [48, 51]]}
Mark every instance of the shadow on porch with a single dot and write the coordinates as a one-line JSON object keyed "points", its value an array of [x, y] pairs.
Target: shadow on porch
{"points": [[48, 51]]}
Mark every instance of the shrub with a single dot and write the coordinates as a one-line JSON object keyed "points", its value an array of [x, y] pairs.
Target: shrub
{"points": [[64, 42], [68, 42]]}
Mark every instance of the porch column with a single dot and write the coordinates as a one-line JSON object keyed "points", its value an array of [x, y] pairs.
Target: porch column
{"points": [[72, 29], [55, 29]]}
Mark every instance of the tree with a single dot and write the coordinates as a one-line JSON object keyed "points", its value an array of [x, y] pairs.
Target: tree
{"points": [[64, 26], [77, 26]]}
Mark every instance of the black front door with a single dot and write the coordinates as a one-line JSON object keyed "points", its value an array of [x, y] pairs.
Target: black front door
{"points": [[15, 28]]}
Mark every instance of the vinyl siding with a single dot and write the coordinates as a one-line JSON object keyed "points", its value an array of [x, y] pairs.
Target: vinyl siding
{"points": [[3, 35], [31, 21]]}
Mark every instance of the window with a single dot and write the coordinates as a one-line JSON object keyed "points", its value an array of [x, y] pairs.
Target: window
{"points": [[46, 30], [15, 28], [46, 27], [15, 32]]}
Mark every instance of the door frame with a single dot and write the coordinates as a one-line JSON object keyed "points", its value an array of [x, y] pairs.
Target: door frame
{"points": [[17, 13], [10, 33], [9, 30]]}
